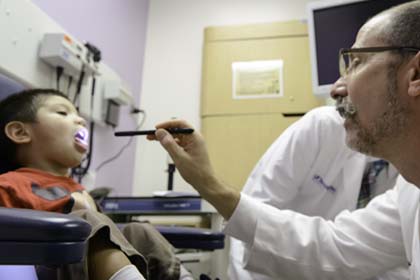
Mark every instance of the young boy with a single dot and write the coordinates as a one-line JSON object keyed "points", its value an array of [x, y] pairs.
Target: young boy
{"points": [[42, 137]]}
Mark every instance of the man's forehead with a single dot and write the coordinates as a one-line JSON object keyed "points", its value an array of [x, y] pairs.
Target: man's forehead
{"points": [[372, 33]]}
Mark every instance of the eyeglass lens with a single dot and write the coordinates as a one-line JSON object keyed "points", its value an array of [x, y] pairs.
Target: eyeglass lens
{"points": [[343, 63]]}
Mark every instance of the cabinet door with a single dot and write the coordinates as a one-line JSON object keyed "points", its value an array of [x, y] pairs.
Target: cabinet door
{"points": [[236, 143], [287, 42]]}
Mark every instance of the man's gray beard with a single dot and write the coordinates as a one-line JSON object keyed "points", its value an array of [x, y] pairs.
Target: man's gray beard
{"points": [[391, 124]]}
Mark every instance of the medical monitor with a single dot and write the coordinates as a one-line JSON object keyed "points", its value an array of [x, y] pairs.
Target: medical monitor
{"points": [[332, 25]]}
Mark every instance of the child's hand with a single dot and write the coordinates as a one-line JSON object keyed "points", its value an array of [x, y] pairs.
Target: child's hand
{"points": [[82, 200]]}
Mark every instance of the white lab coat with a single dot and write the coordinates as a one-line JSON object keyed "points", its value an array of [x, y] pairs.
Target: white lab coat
{"points": [[310, 170], [357, 245]]}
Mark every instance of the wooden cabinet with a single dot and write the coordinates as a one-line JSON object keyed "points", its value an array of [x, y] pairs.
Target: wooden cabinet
{"points": [[238, 131], [236, 143]]}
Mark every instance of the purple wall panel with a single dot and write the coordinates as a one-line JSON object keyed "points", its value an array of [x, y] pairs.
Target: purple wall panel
{"points": [[118, 29]]}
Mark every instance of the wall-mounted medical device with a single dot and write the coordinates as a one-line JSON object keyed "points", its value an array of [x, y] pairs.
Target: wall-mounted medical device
{"points": [[61, 50], [117, 94], [110, 93], [38, 52]]}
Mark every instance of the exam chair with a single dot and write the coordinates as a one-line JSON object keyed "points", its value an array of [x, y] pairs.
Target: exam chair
{"points": [[30, 237], [193, 238], [39, 237]]}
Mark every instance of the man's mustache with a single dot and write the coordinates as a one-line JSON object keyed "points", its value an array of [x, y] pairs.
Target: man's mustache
{"points": [[345, 108]]}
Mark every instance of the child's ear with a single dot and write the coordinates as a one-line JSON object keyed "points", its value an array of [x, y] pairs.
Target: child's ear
{"points": [[17, 132], [414, 77]]}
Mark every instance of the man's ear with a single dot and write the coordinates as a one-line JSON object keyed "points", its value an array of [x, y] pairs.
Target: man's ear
{"points": [[17, 132], [414, 77]]}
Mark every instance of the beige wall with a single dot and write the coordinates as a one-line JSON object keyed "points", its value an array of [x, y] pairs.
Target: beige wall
{"points": [[172, 70], [171, 82]]}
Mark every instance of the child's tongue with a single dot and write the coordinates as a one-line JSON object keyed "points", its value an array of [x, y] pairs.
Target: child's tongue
{"points": [[82, 137]]}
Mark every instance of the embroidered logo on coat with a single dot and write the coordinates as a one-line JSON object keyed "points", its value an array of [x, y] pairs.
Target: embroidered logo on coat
{"points": [[50, 193], [320, 181]]}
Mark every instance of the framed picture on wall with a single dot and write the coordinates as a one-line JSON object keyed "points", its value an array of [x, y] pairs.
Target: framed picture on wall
{"points": [[257, 79]]}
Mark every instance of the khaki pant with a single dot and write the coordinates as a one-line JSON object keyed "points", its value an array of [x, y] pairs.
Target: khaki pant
{"points": [[146, 248]]}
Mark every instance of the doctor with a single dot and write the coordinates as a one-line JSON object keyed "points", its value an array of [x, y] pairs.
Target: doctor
{"points": [[310, 170], [379, 98]]}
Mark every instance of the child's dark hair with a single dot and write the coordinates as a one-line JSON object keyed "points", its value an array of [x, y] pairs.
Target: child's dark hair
{"points": [[21, 106]]}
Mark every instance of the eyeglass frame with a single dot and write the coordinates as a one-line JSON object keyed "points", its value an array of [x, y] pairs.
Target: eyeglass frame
{"points": [[343, 68]]}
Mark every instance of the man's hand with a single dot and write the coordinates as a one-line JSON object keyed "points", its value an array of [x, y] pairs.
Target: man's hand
{"points": [[189, 153]]}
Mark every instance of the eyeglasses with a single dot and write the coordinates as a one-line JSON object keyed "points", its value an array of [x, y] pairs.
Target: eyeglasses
{"points": [[347, 61]]}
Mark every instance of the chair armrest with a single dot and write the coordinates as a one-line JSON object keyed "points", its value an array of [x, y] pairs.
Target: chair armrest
{"points": [[33, 225], [193, 238], [39, 237]]}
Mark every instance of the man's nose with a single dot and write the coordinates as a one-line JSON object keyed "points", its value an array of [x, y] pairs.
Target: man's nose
{"points": [[339, 89]]}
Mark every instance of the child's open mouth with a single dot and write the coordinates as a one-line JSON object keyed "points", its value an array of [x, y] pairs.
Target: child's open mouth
{"points": [[81, 137]]}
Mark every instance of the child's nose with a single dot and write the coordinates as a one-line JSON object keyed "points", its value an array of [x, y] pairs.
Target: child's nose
{"points": [[81, 121]]}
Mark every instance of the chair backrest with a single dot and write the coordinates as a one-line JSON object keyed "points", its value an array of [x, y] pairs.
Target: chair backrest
{"points": [[55, 239], [7, 87]]}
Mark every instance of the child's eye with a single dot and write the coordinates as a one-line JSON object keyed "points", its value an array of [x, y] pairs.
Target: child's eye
{"points": [[63, 113]]}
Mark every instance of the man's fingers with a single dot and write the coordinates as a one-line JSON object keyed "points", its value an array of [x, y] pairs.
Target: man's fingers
{"points": [[174, 124], [168, 142]]}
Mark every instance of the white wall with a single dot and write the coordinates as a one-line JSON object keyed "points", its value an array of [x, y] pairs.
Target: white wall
{"points": [[172, 70]]}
